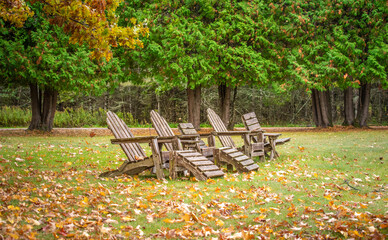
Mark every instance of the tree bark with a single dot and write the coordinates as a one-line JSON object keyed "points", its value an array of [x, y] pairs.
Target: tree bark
{"points": [[232, 115], [35, 107], [43, 110], [194, 106], [323, 101], [321, 108], [348, 107], [224, 103], [363, 105], [316, 108]]}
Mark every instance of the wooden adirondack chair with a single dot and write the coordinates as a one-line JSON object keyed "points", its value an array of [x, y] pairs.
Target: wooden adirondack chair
{"points": [[251, 149], [189, 133], [230, 153], [197, 164], [270, 139], [137, 161]]}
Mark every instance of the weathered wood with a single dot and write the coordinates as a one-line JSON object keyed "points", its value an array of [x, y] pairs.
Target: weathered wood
{"points": [[252, 121], [252, 167], [268, 139], [208, 152], [191, 160], [137, 159], [162, 128], [231, 150], [225, 136], [219, 126], [247, 162], [120, 130], [239, 159], [230, 133], [146, 139], [208, 168], [156, 158], [211, 174], [254, 127], [129, 168], [202, 163], [282, 141], [235, 154], [190, 154]]}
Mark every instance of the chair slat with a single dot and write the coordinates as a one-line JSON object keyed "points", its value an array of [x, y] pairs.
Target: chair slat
{"points": [[120, 130], [162, 128], [219, 126]]}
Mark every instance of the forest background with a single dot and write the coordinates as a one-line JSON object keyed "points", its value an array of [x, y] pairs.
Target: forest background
{"points": [[292, 62]]}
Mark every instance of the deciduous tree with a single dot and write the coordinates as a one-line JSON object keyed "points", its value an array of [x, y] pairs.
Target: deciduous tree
{"points": [[62, 45]]}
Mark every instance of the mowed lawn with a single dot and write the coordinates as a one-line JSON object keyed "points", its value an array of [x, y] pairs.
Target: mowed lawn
{"points": [[324, 185]]}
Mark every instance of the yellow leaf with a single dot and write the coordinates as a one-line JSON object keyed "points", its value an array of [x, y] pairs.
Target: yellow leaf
{"points": [[328, 197], [13, 236], [210, 180], [167, 220], [220, 223], [186, 217], [363, 205], [128, 219]]}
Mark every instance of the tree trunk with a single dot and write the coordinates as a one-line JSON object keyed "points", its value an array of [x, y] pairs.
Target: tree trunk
{"points": [[232, 113], [224, 101], [316, 108], [324, 108], [348, 107], [321, 108], [35, 107], [194, 106], [363, 105], [43, 110]]}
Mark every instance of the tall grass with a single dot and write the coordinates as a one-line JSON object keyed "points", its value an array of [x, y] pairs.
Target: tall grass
{"points": [[14, 117], [11, 117]]}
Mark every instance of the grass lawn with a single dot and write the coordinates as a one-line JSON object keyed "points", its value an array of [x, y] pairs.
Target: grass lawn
{"points": [[324, 185]]}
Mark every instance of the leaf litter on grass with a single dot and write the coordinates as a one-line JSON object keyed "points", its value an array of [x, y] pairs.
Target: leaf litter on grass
{"points": [[55, 193]]}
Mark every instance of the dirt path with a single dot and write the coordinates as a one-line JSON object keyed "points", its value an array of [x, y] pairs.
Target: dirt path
{"points": [[150, 131]]}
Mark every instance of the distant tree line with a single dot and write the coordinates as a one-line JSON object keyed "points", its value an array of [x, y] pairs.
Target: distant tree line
{"points": [[291, 108], [183, 56]]}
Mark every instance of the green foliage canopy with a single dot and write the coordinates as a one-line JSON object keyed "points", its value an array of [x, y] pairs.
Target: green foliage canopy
{"points": [[334, 43], [204, 43], [40, 53]]}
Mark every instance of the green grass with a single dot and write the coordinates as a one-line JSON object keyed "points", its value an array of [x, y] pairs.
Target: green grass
{"points": [[325, 184]]}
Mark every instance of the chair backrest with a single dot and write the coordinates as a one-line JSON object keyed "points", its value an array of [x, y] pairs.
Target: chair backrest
{"points": [[250, 121], [219, 126], [119, 129], [162, 128], [187, 129]]}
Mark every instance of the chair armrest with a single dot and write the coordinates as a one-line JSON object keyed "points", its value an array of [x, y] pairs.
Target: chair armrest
{"points": [[189, 141], [205, 135], [230, 133], [272, 134], [258, 130], [145, 139], [188, 136], [167, 139]]}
